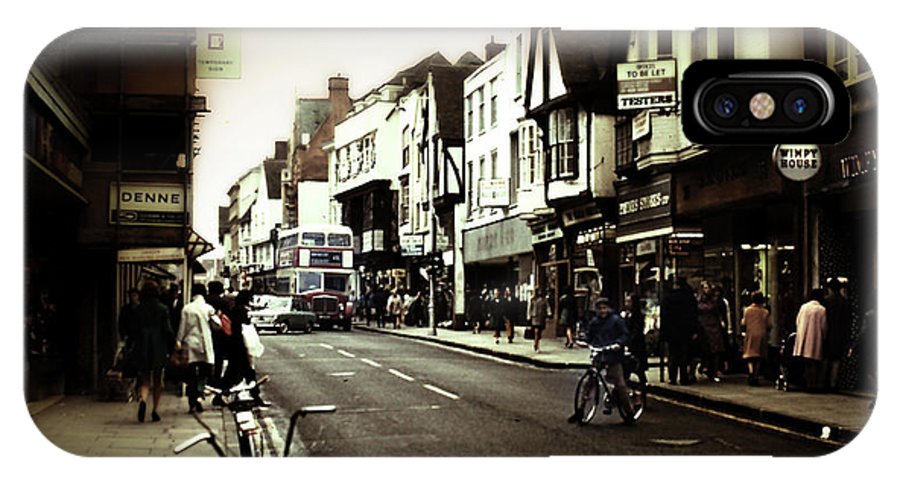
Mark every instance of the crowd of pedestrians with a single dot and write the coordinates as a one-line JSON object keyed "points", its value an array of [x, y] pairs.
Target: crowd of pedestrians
{"points": [[205, 346]]}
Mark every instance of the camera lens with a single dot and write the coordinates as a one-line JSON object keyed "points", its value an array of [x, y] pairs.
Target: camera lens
{"points": [[801, 105], [725, 105]]}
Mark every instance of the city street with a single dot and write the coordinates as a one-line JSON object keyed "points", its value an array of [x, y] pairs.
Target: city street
{"points": [[401, 397]]}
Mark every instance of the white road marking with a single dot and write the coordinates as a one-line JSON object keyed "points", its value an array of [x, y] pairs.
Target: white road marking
{"points": [[325, 345], [342, 374], [346, 354], [401, 375], [441, 392], [370, 362]]}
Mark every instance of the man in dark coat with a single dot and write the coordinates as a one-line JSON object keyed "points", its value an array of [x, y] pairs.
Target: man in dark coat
{"points": [[678, 328], [837, 335]]}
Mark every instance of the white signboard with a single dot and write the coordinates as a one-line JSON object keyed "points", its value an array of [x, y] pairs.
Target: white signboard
{"points": [[644, 85], [139, 255], [797, 162], [493, 192], [412, 245], [147, 204], [218, 53], [640, 125]]}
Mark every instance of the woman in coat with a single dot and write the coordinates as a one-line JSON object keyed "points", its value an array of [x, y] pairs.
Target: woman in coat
{"points": [[154, 342], [195, 337], [757, 322], [538, 311], [811, 330]]}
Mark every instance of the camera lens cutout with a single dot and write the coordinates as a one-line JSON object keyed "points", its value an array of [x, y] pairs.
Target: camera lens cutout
{"points": [[725, 105], [801, 105]]}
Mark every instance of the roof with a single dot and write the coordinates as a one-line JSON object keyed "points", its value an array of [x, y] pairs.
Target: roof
{"points": [[448, 93], [309, 114], [588, 58], [417, 74], [272, 170]]}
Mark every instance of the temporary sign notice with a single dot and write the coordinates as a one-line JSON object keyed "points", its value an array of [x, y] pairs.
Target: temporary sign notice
{"points": [[644, 85], [218, 53]]}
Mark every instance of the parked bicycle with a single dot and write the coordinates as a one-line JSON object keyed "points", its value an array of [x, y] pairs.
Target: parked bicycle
{"points": [[592, 389], [243, 408]]}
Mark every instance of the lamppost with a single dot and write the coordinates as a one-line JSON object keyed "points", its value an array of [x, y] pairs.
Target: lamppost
{"points": [[273, 238]]}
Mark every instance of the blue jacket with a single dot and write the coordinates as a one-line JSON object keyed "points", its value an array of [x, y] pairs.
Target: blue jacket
{"points": [[606, 331]]}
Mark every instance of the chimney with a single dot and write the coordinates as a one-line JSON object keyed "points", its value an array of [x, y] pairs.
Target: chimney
{"points": [[492, 49], [281, 150], [339, 94]]}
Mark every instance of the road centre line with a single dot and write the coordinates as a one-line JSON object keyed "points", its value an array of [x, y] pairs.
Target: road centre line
{"points": [[342, 374], [325, 345], [346, 354], [441, 392], [401, 375], [370, 362]]}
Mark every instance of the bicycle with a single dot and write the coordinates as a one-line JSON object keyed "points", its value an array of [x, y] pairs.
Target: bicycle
{"points": [[249, 432], [593, 383]]}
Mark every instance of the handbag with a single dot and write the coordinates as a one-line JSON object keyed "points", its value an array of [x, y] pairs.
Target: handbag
{"points": [[179, 358], [251, 339]]}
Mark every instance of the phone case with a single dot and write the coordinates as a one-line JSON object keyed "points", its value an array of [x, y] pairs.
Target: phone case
{"points": [[504, 191]]}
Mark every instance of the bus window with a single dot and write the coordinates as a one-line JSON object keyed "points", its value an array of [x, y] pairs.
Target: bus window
{"points": [[338, 240], [288, 241], [336, 282], [313, 239], [310, 281]]}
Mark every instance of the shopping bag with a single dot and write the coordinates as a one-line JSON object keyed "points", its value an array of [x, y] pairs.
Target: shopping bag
{"points": [[251, 340]]}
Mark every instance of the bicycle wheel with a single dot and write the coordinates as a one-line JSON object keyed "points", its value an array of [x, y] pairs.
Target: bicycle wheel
{"points": [[251, 445], [637, 395], [587, 397]]}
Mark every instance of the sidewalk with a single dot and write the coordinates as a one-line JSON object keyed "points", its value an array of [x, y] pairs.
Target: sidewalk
{"points": [[843, 414]]}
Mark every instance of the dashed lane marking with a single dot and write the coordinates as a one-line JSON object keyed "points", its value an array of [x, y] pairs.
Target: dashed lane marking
{"points": [[325, 345], [342, 374], [439, 391], [346, 354], [370, 362], [401, 375]]}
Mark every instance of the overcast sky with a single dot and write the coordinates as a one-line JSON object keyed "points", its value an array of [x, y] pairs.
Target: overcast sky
{"points": [[279, 65]]}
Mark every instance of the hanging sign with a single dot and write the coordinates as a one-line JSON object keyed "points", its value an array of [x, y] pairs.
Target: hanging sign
{"points": [[798, 162]]}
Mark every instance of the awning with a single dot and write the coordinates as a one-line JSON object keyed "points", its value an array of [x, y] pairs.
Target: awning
{"points": [[197, 246]]}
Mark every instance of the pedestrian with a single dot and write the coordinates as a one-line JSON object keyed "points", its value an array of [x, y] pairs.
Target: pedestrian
{"points": [[810, 342], [633, 316], [508, 310], [757, 322], [679, 328], [606, 329], [154, 342], [216, 299], [709, 314], [568, 314], [240, 368], [539, 310], [474, 311], [128, 323], [381, 298], [395, 308], [837, 340], [495, 314], [195, 336]]}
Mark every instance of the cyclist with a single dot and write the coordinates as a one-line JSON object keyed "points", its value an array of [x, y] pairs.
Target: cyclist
{"points": [[606, 329]]}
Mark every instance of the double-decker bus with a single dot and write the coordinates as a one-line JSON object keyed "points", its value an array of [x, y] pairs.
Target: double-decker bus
{"points": [[315, 257]]}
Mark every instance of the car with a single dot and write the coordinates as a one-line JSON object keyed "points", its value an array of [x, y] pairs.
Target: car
{"points": [[282, 313], [330, 308]]}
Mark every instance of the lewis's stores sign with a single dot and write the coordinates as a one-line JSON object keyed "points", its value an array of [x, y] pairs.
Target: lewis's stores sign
{"points": [[153, 204]]}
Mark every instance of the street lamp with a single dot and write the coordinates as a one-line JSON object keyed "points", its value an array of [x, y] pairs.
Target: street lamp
{"points": [[273, 238]]}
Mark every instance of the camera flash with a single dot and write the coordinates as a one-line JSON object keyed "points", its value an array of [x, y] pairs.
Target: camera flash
{"points": [[762, 106]]}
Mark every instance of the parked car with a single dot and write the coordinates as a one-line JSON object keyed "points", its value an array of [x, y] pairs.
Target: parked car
{"points": [[282, 313], [330, 308]]}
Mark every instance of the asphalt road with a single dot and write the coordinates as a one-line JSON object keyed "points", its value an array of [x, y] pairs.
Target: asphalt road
{"points": [[399, 397]]}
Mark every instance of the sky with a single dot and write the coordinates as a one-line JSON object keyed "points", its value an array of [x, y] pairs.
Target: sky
{"points": [[279, 65]]}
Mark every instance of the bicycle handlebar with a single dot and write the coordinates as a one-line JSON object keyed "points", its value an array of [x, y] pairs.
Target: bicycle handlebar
{"points": [[241, 387], [609, 348]]}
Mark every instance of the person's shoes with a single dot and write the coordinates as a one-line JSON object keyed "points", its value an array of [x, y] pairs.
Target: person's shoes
{"points": [[142, 411], [574, 418], [217, 401], [716, 380], [510, 340], [497, 341], [154, 417]]}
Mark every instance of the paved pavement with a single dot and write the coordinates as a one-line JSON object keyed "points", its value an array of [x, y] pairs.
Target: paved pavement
{"points": [[85, 426]]}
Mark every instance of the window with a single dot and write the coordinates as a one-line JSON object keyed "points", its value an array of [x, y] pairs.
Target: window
{"points": [[470, 192], [494, 164], [404, 200], [846, 60], [407, 140], [482, 172], [530, 167], [562, 143], [725, 43], [514, 176], [494, 93], [313, 239], [519, 50], [624, 144], [664, 44], [338, 240], [481, 110], [470, 116]]}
